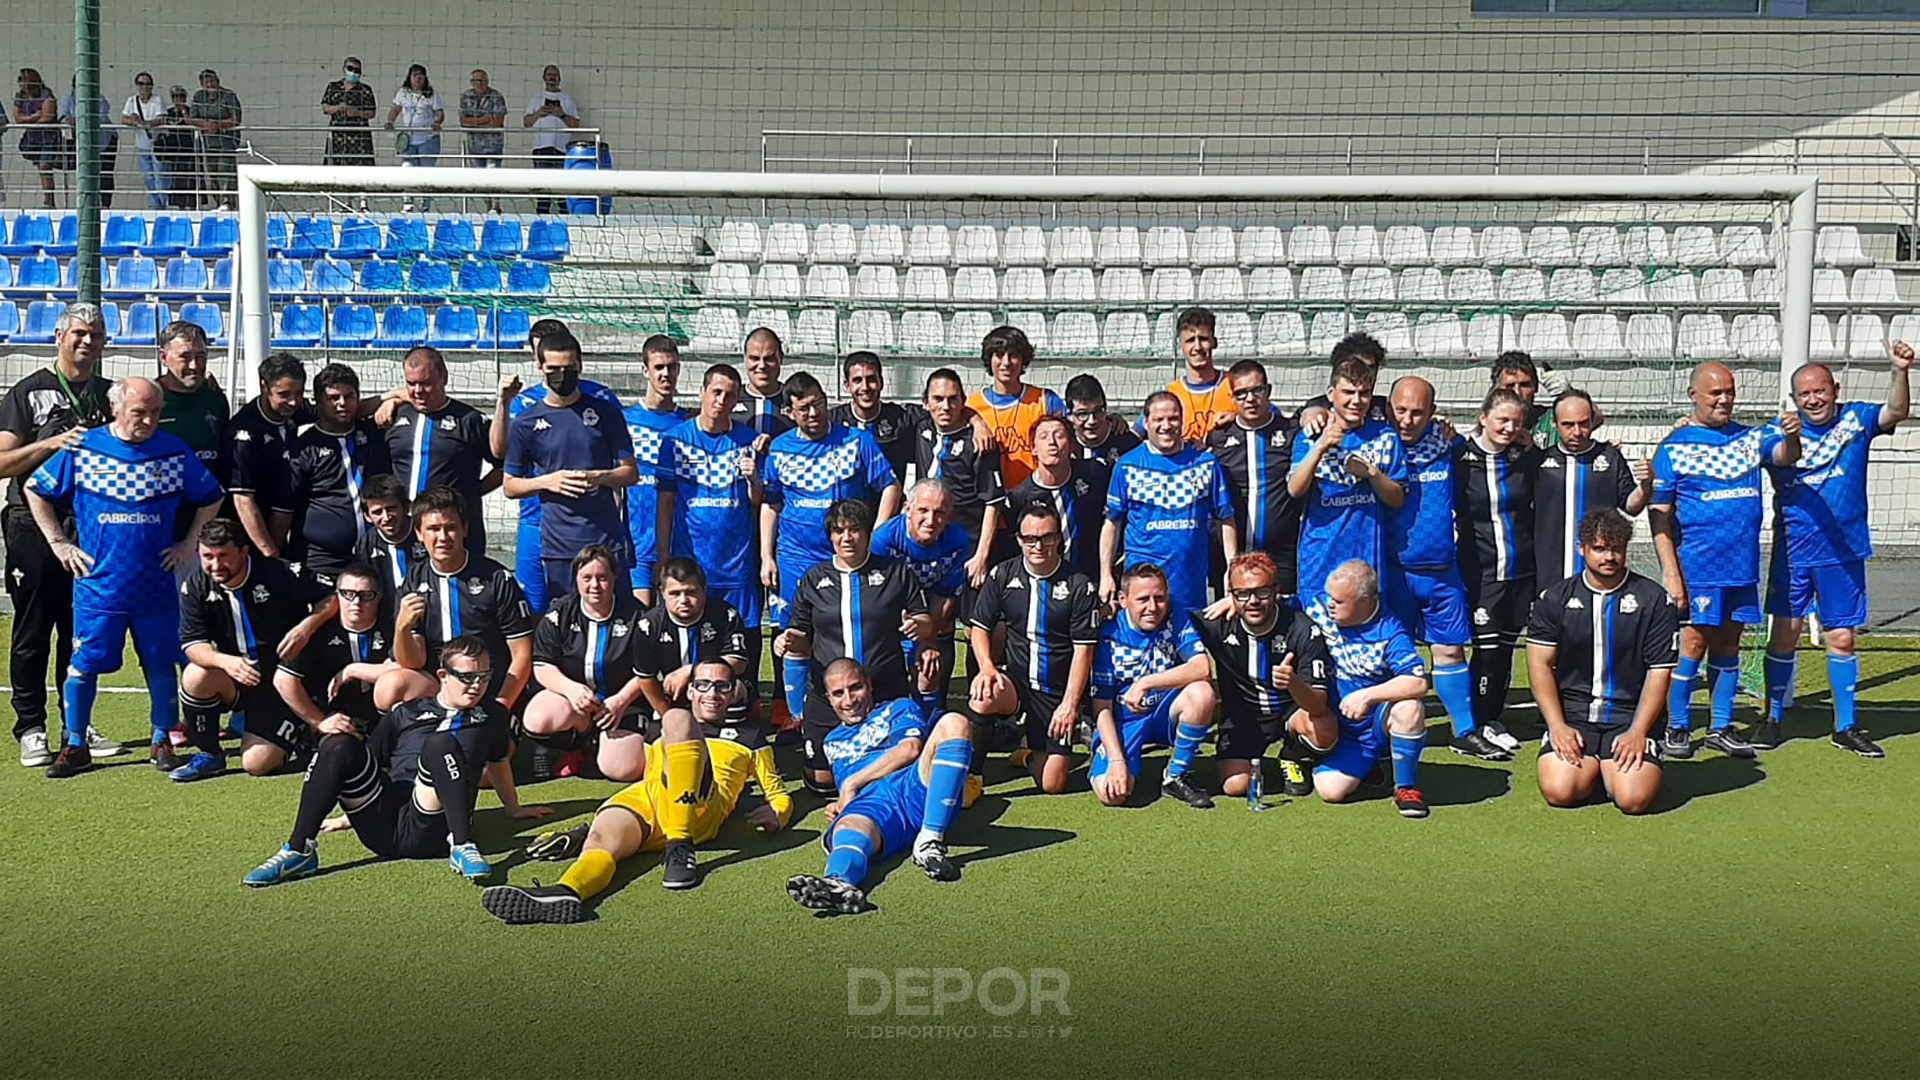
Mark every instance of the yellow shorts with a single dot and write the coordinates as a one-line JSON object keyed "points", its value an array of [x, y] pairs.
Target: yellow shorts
{"points": [[729, 766]]}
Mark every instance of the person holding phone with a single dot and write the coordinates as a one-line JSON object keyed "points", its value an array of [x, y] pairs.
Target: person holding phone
{"points": [[551, 112]]}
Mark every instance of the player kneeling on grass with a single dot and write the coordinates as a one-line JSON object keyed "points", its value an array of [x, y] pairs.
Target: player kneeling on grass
{"points": [[583, 659], [1151, 684], [1381, 680], [894, 778], [333, 677], [1601, 649], [696, 772], [409, 787]]}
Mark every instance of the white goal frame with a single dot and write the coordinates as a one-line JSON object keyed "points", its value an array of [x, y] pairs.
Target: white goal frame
{"points": [[255, 315]]}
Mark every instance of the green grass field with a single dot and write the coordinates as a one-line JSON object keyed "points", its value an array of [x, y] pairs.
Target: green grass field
{"points": [[1761, 925]]}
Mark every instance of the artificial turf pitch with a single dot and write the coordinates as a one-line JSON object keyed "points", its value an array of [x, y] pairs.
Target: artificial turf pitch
{"points": [[1762, 924]]}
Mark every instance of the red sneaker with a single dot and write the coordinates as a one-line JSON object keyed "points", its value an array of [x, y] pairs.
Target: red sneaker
{"points": [[1407, 800], [572, 763]]}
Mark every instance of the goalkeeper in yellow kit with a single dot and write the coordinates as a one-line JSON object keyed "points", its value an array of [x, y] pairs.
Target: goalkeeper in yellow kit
{"points": [[696, 773]]}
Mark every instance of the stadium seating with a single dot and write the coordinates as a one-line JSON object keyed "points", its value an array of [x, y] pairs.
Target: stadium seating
{"points": [[1117, 245], [966, 328], [786, 241], [882, 244], [828, 283], [207, 317], [529, 279], [429, 278], [872, 282], [1550, 246], [1069, 245], [66, 236], [1025, 245], [926, 283], [1213, 245], [502, 239], [279, 235], [453, 239], [1502, 246], [223, 276], [507, 328], [402, 326], [779, 320], [1075, 333], [9, 320], [1453, 245], [38, 327], [32, 233], [922, 332], [1281, 334], [455, 326], [1598, 247], [406, 238], [219, 235], [778, 281], [1166, 245], [868, 329], [123, 234], [929, 245], [1756, 337], [977, 245], [301, 327], [1028, 284], [381, 277], [816, 332], [1406, 245], [1440, 334], [312, 238], [354, 326], [144, 320], [1071, 285], [1311, 245], [834, 242], [332, 276], [715, 330], [72, 279], [1270, 283], [359, 239], [1839, 245], [285, 276], [1597, 337], [1372, 284], [136, 274], [6, 275], [1357, 245], [478, 277], [735, 240]]}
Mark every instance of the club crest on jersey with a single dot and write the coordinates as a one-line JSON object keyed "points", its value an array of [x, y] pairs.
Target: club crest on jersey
{"points": [[260, 594], [476, 587], [1279, 440], [619, 629], [1080, 487], [877, 577], [446, 423], [1602, 464], [379, 640], [359, 438], [1059, 590], [1629, 604], [589, 417], [1480, 617], [706, 633], [883, 430]]}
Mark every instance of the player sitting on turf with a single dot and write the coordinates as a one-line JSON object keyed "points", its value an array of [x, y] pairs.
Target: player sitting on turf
{"points": [[583, 659], [890, 786], [409, 788], [1151, 684], [1601, 648], [1380, 678], [696, 773], [330, 684]]}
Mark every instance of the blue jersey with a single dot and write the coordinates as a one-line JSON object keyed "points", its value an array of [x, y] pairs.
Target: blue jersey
{"points": [[647, 427], [1167, 503], [587, 434], [124, 498], [1821, 500], [1420, 534], [804, 477], [527, 399], [1128, 654], [712, 500], [852, 747], [940, 568], [1343, 518], [1367, 655], [1711, 479]]}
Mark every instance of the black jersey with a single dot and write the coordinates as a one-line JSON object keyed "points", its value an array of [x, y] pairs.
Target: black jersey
{"points": [[258, 449], [1047, 618], [1082, 505], [765, 415], [1566, 487], [248, 619], [1493, 505], [325, 473], [857, 613], [328, 654], [1257, 461], [599, 654], [1607, 643], [479, 598], [46, 403], [1120, 439], [393, 562], [449, 448], [481, 731], [666, 646], [892, 427], [955, 457], [1243, 661]]}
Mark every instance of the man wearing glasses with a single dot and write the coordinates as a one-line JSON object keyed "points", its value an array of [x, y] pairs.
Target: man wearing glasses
{"points": [[1099, 435], [349, 106], [409, 789], [483, 113], [1256, 450], [330, 683]]}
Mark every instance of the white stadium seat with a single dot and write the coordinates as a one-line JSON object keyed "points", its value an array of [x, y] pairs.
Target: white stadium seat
{"points": [[1453, 246], [1550, 245], [1622, 285], [1597, 337], [1440, 335], [716, 330], [975, 284], [1281, 333], [1026, 245], [1073, 285], [1270, 283], [1422, 283], [1695, 246], [1075, 333], [778, 320], [1406, 245], [1310, 245], [1166, 339], [1874, 287], [1572, 285], [1261, 245], [1034, 325], [1673, 287], [1866, 337], [1391, 329], [1071, 245], [929, 245], [976, 245], [1647, 246], [1327, 329], [1024, 284], [1650, 337], [1119, 245], [1213, 246], [1172, 285], [1126, 332], [876, 283], [1820, 344], [1502, 245], [786, 241], [882, 244], [926, 283], [1829, 286], [1756, 337], [1721, 285], [1166, 245], [1234, 331], [1704, 337], [1491, 335], [834, 242], [816, 333], [1839, 245], [1322, 283], [778, 281], [967, 329], [727, 280], [1357, 245], [1522, 286], [1598, 246], [1370, 283], [1545, 335], [828, 283], [870, 330], [1222, 284], [1471, 285], [737, 241], [922, 333], [1764, 286], [1122, 285], [1904, 328], [1745, 247]]}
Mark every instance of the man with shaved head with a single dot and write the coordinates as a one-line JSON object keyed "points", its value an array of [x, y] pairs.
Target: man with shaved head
{"points": [[1705, 513], [124, 482], [1820, 564]]}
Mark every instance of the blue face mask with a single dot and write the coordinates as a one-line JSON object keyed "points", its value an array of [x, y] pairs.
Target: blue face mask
{"points": [[353, 77]]}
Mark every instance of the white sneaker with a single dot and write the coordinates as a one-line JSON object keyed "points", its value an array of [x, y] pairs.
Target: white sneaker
{"points": [[33, 750], [1500, 737], [100, 746]]}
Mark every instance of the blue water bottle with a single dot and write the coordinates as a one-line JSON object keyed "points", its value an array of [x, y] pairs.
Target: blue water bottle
{"points": [[1255, 790]]}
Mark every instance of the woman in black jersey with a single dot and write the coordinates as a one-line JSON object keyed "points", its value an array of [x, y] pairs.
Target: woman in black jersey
{"points": [[583, 652], [1493, 476]]}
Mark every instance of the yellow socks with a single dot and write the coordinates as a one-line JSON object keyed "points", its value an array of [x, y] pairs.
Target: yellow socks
{"points": [[590, 874]]}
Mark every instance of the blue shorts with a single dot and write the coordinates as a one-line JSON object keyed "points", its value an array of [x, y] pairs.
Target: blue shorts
{"points": [[745, 600], [100, 639], [527, 567], [791, 571], [1838, 592], [1432, 604], [1711, 606], [1135, 733], [1359, 748], [912, 648], [897, 806]]}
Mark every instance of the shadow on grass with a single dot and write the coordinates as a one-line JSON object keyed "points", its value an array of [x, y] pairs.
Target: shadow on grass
{"points": [[1686, 781], [1449, 783]]}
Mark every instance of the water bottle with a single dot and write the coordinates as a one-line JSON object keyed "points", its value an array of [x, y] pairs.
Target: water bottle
{"points": [[1255, 790]]}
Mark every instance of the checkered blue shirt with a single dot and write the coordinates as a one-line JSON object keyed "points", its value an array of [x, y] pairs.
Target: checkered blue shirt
{"points": [[1711, 479]]}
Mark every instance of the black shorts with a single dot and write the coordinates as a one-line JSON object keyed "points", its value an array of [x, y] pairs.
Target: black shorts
{"points": [[1599, 741], [1038, 707], [392, 827], [268, 718], [1500, 609], [1244, 738]]}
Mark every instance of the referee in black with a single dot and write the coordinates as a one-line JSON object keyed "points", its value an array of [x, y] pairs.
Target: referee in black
{"points": [[1601, 648]]}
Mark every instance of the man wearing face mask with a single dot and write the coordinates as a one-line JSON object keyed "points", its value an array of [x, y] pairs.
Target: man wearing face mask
{"points": [[349, 105]]}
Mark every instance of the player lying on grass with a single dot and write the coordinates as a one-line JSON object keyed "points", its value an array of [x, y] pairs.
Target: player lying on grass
{"points": [[1151, 684], [409, 787], [1601, 648], [696, 772], [898, 783]]}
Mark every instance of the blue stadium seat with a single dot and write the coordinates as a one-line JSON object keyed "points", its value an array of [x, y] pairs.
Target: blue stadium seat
{"points": [[41, 317], [428, 277], [279, 235], [219, 234], [382, 277], [500, 239], [312, 238], [405, 237], [301, 327], [332, 276], [187, 277], [38, 274], [207, 317], [123, 234], [455, 326], [66, 239], [223, 277], [402, 326], [136, 274], [529, 279], [286, 276], [507, 328], [31, 234], [9, 320], [172, 234], [6, 273], [359, 239], [110, 317], [478, 277], [354, 326], [72, 278], [144, 321], [548, 240], [452, 238]]}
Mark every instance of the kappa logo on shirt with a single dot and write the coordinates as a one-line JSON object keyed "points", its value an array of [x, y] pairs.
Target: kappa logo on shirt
{"points": [[1233, 639], [403, 422], [1574, 603], [554, 616], [1016, 583], [542, 425], [1554, 463], [337, 640], [826, 582], [242, 435]]}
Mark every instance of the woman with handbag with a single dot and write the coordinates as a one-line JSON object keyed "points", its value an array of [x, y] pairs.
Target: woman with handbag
{"points": [[418, 108]]}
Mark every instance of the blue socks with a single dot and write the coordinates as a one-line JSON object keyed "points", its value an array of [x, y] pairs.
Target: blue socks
{"points": [[1842, 671], [80, 690], [163, 696], [1406, 759], [852, 851], [793, 683], [1723, 678], [946, 786], [1186, 742], [1680, 694], [1455, 686], [931, 703], [1780, 675]]}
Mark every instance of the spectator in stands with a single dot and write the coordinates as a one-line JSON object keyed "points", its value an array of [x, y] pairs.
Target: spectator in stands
{"points": [[174, 149], [143, 112], [215, 111], [551, 112], [483, 112], [350, 106], [418, 108], [34, 106], [109, 139]]}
